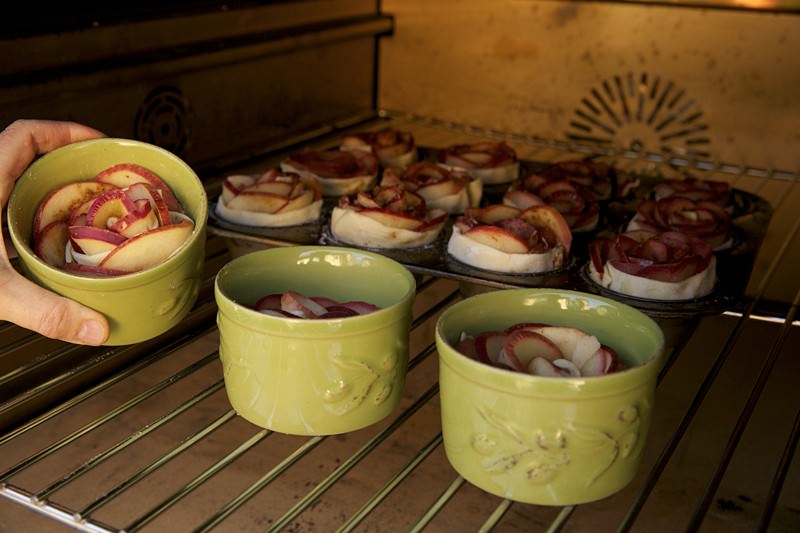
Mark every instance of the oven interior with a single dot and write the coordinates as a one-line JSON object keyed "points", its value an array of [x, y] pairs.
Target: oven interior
{"points": [[142, 437]]}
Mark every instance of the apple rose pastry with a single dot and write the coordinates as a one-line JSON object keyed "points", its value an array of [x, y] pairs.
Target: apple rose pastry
{"points": [[601, 179], [660, 266], [274, 199], [339, 172], [390, 217], [703, 219], [124, 220], [542, 350], [574, 202], [393, 148], [503, 238], [697, 190], [494, 163], [450, 189]]}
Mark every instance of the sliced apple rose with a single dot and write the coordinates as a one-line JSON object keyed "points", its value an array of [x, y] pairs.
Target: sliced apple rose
{"points": [[603, 180], [703, 219], [273, 199], [339, 172], [125, 220], [697, 190], [390, 217], [393, 148], [449, 189], [494, 163], [542, 350], [293, 304], [575, 202], [659, 266], [503, 238]]}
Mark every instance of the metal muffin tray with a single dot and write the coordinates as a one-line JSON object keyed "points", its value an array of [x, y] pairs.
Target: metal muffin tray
{"points": [[750, 215]]}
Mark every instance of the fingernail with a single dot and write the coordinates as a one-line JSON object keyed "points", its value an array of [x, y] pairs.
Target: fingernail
{"points": [[91, 332]]}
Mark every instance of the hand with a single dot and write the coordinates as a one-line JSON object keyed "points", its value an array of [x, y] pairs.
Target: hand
{"points": [[22, 301]]}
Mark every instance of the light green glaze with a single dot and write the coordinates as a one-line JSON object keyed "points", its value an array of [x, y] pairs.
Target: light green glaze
{"points": [[314, 377], [138, 306], [548, 441]]}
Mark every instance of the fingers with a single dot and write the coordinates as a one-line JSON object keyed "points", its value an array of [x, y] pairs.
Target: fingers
{"points": [[23, 140], [32, 307]]}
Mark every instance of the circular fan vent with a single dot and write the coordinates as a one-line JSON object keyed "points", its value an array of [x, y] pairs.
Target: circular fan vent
{"points": [[164, 119], [641, 113]]}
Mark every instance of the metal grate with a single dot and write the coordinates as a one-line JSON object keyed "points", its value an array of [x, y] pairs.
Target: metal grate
{"points": [[156, 447]]}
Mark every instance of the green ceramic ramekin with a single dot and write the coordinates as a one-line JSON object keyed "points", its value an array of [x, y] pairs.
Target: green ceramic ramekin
{"points": [[138, 306], [320, 376], [543, 440]]}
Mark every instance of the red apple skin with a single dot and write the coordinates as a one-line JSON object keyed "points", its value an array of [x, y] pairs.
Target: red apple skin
{"points": [[49, 243], [148, 249], [522, 346], [136, 222], [338, 311], [125, 174], [139, 191], [362, 308], [549, 217], [114, 203], [294, 302], [60, 203], [91, 240], [466, 346], [91, 270], [488, 346], [392, 220], [497, 238], [268, 301], [492, 214]]}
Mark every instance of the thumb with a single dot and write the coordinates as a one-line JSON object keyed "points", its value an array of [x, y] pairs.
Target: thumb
{"points": [[30, 306]]}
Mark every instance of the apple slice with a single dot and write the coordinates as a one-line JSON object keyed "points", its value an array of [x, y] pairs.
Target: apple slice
{"points": [[521, 199], [301, 306], [497, 238], [148, 249], [140, 191], [466, 346], [432, 191], [540, 366], [488, 346], [567, 368], [492, 214], [602, 362], [92, 270], [304, 199], [49, 243], [261, 202], [337, 311], [124, 175], [549, 217], [575, 344], [139, 221], [362, 308], [324, 301], [392, 219], [109, 207], [269, 301], [281, 188], [60, 203], [522, 346], [90, 240]]}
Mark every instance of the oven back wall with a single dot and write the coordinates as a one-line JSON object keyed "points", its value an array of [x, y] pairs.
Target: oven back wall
{"points": [[713, 84]]}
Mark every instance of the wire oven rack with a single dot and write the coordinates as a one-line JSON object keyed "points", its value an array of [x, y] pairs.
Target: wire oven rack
{"points": [[155, 446]]}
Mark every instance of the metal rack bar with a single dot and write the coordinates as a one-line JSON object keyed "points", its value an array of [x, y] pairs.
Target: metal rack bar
{"points": [[347, 465], [780, 475], [133, 402], [744, 417], [131, 439], [398, 478], [437, 506]]}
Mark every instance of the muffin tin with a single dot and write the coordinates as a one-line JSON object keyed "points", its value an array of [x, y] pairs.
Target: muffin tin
{"points": [[750, 216]]}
